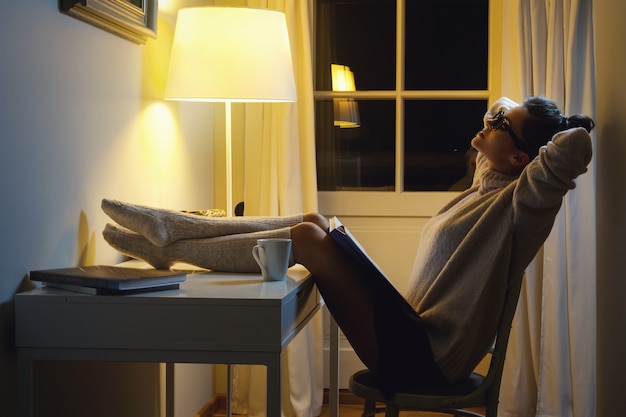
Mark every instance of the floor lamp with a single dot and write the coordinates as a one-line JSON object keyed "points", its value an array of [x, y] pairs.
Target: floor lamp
{"points": [[230, 54]]}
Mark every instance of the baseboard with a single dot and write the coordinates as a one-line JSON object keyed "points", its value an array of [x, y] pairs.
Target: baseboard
{"points": [[216, 406]]}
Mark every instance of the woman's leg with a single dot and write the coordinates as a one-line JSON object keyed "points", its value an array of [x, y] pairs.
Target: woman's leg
{"points": [[349, 299], [162, 227], [231, 253]]}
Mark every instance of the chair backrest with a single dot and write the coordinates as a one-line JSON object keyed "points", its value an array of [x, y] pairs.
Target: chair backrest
{"points": [[496, 367]]}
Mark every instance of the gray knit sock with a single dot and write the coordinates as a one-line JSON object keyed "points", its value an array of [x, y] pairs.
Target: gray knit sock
{"points": [[231, 253], [162, 227]]}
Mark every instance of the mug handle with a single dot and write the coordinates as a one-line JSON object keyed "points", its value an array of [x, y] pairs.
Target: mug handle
{"points": [[258, 252]]}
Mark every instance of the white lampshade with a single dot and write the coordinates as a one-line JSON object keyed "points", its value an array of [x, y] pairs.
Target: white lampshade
{"points": [[231, 54]]}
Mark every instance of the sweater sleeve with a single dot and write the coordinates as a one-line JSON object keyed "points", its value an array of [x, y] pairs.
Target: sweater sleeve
{"points": [[543, 183]]}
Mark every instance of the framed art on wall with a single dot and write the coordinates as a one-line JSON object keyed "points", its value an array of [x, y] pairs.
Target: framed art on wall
{"points": [[134, 20]]}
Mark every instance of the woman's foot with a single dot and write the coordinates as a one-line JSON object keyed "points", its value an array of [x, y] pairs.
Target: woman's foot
{"points": [[146, 221], [135, 245]]}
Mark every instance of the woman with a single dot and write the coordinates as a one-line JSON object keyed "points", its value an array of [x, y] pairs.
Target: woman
{"points": [[468, 254]]}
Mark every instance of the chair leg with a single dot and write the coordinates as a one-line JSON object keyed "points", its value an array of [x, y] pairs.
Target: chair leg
{"points": [[491, 410], [369, 408], [392, 410]]}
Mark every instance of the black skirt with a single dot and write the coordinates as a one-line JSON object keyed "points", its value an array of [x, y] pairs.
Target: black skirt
{"points": [[406, 359]]}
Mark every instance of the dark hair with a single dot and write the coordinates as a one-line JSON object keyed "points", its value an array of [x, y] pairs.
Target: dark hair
{"points": [[547, 120]]}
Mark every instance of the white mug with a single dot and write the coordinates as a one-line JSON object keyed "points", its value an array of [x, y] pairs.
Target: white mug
{"points": [[272, 255]]}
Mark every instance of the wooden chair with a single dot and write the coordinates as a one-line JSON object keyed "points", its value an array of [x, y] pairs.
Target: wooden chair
{"points": [[474, 391]]}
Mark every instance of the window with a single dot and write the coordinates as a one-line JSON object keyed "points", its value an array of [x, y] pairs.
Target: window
{"points": [[421, 71]]}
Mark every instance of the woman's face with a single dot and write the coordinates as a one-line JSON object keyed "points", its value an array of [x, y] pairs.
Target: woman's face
{"points": [[496, 142]]}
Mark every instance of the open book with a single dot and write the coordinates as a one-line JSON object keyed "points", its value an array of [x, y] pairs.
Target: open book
{"points": [[342, 236], [106, 279]]}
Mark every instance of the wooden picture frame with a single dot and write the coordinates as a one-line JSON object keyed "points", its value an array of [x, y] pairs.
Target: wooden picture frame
{"points": [[134, 20]]}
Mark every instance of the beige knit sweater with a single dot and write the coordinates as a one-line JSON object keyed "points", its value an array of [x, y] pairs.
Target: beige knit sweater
{"points": [[481, 242]]}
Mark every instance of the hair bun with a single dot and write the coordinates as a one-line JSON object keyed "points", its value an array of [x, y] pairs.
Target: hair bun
{"points": [[579, 120]]}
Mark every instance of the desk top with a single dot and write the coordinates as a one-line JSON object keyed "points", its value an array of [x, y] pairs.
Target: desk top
{"points": [[200, 285]]}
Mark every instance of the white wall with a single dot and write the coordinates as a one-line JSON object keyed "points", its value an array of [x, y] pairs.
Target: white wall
{"points": [[81, 118], [611, 200]]}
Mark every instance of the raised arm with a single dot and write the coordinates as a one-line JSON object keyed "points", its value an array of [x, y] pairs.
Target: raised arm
{"points": [[543, 183]]}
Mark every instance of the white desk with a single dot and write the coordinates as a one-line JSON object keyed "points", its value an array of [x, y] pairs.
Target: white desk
{"points": [[235, 319]]}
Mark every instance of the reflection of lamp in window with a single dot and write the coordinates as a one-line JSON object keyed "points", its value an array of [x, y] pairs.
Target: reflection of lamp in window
{"points": [[346, 110], [230, 54], [342, 78], [346, 113]]}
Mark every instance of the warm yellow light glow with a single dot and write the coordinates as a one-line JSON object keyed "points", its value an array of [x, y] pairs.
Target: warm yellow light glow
{"points": [[160, 134], [346, 113], [167, 6], [346, 109], [231, 54], [342, 78]]}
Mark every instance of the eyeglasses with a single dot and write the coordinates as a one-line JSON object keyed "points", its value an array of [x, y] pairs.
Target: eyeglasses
{"points": [[499, 122]]}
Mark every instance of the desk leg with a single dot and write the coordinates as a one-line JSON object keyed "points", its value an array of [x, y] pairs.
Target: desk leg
{"points": [[274, 400], [333, 389], [169, 389], [229, 390], [24, 384]]}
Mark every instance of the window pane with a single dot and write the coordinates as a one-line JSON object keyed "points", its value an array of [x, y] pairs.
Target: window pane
{"points": [[360, 157], [437, 150], [446, 44], [360, 34]]}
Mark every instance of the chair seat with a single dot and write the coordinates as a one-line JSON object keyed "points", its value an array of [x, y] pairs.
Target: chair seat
{"points": [[465, 393]]}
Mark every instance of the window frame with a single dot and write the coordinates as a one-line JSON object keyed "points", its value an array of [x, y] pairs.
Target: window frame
{"points": [[400, 203]]}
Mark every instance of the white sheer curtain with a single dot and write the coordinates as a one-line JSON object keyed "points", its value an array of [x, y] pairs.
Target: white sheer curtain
{"points": [[280, 179], [550, 367]]}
